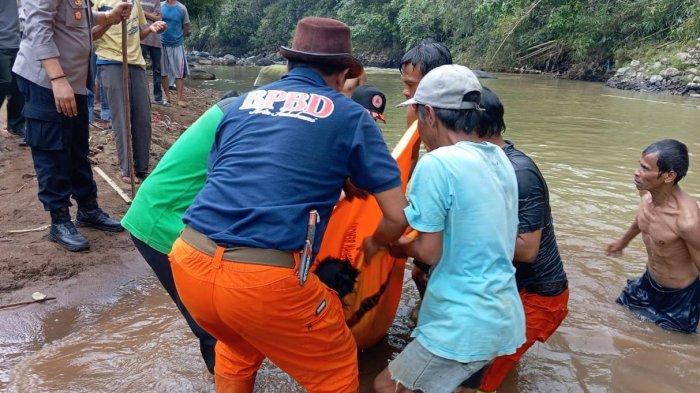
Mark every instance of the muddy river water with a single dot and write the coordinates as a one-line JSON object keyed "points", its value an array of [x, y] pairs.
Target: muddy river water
{"points": [[117, 331]]}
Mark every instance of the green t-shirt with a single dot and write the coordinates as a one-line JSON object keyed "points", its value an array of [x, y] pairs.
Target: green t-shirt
{"points": [[155, 215]]}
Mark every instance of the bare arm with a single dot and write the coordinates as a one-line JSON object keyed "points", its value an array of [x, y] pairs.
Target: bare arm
{"points": [[427, 247], [116, 15], [527, 246], [393, 223], [155, 27], [99, 30], [186, 29], [617, 246], [689, 228]]}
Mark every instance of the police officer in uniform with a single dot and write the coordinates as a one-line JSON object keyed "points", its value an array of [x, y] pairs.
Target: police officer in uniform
{"points": [[52, 70]]}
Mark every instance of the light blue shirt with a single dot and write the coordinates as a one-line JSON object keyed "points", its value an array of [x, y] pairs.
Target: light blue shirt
{"points": [[471, 310]]}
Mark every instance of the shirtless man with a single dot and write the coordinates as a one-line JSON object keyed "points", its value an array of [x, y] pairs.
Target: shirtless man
{"points": [[669, 219]]}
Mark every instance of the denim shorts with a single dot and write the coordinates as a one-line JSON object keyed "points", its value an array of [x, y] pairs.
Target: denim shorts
{"points": [[418, 369]]}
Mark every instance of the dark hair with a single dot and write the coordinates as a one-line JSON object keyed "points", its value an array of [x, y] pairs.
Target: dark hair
{"points": [[459, 120], [491, 121], [324, 69], [229, 94], [673, 156], [426, 55]]}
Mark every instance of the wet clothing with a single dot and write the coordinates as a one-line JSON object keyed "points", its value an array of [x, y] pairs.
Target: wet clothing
{"points": [[155, 215], [56, 29], [174, 62], [152, 7], [257, 311], [543, 315], [109, 46], [672, 309], [534, 212], [542, 283], [418, 369], [160, 264], [176, 17], [282, 151], [471, 310], [60, 149]]}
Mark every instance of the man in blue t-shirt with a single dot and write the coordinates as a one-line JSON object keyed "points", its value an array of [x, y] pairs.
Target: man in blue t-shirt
{"points": [[463, 201], [281, 153], [175, 15]]}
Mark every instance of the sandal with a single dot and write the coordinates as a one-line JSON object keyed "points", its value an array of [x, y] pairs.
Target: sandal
{"points": [[127, 180]]}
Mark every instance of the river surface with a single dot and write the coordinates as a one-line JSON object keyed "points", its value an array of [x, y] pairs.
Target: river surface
{"points": [[123, 334]]}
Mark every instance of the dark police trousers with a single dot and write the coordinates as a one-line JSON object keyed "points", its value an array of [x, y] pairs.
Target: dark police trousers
{"points": [[59, 148]]}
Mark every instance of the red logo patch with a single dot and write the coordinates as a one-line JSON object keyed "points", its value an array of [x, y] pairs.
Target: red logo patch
{"points": [[377, 101]]}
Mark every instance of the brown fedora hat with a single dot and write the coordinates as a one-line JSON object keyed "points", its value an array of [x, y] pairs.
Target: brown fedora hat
{"points": [[324, 41]]}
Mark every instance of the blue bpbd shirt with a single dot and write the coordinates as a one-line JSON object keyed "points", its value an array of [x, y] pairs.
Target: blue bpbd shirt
{"points": [[281, 151]]}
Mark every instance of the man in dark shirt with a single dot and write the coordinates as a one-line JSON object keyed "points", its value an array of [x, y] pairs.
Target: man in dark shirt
{"points": [[539, 270]]}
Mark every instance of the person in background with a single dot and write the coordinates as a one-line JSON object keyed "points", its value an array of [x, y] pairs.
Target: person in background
{"points": [[52, 68], [668, 293], [269, 74], [352, 84], [151, 48], [463, 202], [109, 61], [9, 46], [175, 15], [539, 271], [372, 99], [415, 64]]}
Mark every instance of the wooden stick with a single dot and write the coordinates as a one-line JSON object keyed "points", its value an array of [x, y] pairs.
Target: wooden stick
{"points": [[42, 228], [127, 109], [26, 303], [112, 184]]}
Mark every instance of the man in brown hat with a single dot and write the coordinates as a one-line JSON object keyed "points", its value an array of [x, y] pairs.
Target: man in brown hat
{"points": [[276, 169]]}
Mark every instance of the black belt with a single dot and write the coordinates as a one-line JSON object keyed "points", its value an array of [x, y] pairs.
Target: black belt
{"points": [[547, 289]]}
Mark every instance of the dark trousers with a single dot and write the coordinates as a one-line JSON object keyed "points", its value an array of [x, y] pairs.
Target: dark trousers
{"points": [[154, 54], [8, 87], [161, 267], [59, 147]]}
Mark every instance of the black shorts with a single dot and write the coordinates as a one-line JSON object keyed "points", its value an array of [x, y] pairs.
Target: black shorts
{"points": [[672, 309]]}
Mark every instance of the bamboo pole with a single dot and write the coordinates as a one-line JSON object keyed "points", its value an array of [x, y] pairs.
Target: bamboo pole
{"points": [[127, 109]]}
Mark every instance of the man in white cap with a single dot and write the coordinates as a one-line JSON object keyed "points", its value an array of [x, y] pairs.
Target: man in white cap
{"points": [[463, 201]]}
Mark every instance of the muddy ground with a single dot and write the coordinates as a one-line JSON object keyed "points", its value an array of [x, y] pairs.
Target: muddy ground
{"points": [[29, 258]]}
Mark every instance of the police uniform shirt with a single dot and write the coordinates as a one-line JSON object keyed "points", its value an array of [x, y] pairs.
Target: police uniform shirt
{"points": [[56, 28], [281, 151]]}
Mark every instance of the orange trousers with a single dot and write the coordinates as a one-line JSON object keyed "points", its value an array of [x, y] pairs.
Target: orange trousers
{"points": [[543, 315], [257, 311]]}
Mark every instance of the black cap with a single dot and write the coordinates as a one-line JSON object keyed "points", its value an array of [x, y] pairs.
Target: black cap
{"points": [[372, 99]]}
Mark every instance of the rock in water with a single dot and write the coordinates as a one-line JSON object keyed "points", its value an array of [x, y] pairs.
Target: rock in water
{"points": [[198, 73], [483, 74]]}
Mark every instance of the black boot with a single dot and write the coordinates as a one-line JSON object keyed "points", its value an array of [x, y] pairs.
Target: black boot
{"points": [[65, 233], [98, 219]]}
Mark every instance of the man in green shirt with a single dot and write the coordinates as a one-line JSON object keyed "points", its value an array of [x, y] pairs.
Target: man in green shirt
{"points": [[155, 216]]}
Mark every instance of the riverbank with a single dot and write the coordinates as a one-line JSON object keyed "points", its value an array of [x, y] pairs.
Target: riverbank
{"points": [[28, 258], [676, 73]]}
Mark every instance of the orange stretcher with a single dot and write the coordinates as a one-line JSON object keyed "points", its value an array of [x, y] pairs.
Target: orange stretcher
{"points": [[371, 306]]}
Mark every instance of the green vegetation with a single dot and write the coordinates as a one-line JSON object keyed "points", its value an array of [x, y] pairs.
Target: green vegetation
{"points": [[583, 37]]}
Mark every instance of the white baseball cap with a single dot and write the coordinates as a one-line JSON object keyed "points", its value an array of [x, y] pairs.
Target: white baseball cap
{"points": [[445, 87]]}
